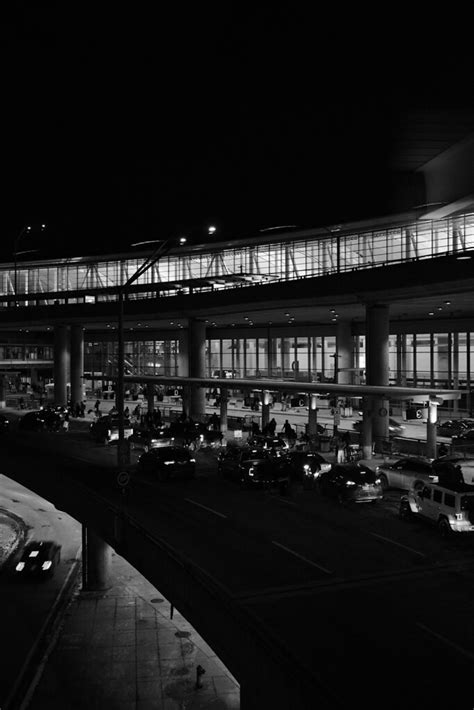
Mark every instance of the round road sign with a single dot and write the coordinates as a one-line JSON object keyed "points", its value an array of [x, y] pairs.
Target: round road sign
{"points": [[123, 478]]}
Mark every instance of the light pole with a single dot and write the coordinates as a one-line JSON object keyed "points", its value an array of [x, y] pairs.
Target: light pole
{"points": [[163, 247], [24, 230]]}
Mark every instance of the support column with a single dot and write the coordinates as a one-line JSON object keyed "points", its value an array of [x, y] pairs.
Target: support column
{"points": [[197, 355], [96, 562], [223, 409], [77, 364], [266, 397], [431, 427], [313, 417], [183, 368], [344, 353], [455, 372], [377, 349], [3, 392], [150, 396], [60, 364]]}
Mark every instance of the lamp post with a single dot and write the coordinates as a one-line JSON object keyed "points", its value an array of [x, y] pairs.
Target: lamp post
{"points": [[163, 247], [24, 230]]}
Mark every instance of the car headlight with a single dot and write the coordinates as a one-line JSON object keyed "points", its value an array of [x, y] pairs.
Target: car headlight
{"points": [[350, 483], [192, 460], [46, 565], [306, 467], [168, 463], [20, 567], [377, 481]]}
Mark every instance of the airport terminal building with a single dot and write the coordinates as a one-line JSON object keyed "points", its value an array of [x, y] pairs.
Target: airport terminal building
{"points": [[387, 300]]}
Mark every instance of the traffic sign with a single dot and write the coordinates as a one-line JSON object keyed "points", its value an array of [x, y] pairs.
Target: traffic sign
{"points": [[123, 478]]}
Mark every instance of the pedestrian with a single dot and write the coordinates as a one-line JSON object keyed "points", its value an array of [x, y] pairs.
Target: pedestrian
{"points": [[97, 407], [272, 426], [82, 409], [126, 413], [65, 424], [339, 448], [286, 428]]}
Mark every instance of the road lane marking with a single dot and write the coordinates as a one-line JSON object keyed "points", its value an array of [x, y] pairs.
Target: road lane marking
{"points": [[283, 500], [454, 645], [399, 544], [305, 559], [221, 515]]}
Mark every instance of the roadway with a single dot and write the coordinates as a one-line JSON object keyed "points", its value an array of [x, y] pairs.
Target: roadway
{"points": [[373, 609]]}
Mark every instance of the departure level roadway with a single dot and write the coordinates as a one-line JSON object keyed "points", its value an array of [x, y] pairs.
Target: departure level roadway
{"points": [[379, 610]]}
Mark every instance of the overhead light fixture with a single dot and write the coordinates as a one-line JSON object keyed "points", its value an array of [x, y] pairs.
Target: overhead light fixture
{"points": [[463, 255], [431, 313], [448, 303]]}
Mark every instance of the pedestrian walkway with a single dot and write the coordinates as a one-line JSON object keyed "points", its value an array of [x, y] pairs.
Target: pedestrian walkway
{"points": [[126, 648]]}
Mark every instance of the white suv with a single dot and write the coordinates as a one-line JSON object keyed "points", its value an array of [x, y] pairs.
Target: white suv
{"points": [[450, 508]]}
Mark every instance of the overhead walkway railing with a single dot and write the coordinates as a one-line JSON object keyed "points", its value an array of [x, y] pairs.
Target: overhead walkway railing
{"points": [[295, 255]]}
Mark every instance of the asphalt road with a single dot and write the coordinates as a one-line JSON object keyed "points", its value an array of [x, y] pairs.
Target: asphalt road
{"points": [[377, 609]]}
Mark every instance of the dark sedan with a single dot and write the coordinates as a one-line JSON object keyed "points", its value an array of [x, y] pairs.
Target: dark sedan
{"points": [[167, 462], [454, 427], [305, 467], [253, 468], [351, 482], [4, 423], [39, 559]]}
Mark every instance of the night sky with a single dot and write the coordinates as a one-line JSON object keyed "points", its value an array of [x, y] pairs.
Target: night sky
{"points": [[138, 126]]}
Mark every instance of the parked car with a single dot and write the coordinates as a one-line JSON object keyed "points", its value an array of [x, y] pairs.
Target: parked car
{"points": [[450, 508], [464, 441], [106, 429], [272, 444], [351, 482], [253, 468], [165, 462], [394, 427], [453, 427], [408, 472], [35, 421], [146, 439], [306, 466], [4, 423], [38, 559]]}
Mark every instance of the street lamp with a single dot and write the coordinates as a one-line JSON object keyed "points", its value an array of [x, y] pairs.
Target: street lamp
{"points": [[23, 231], [163, 247]]}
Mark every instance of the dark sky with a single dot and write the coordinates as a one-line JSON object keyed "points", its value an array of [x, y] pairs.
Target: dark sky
{"points": [[135, 126]]}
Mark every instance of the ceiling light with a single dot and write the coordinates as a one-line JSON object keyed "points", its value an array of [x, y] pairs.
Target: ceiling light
{"points": [[440, 308], [448, 303], [431, 313]]}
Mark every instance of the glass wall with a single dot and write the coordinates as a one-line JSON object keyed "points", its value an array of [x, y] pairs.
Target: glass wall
{"points": [[294, 256]]}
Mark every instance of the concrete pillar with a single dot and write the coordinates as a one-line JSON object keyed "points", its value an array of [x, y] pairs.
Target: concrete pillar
{"points": [[223, 410], [60, 364], [344, 353], [77, 363], [3, 392], [377, 333], [313, 416], [266, 398], [431, 427], [96, 562], [455, 372], [150, 396], [183, 368], [197, 359]]}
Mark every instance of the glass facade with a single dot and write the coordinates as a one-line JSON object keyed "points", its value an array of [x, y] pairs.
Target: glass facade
{"points": [[309, 253]]}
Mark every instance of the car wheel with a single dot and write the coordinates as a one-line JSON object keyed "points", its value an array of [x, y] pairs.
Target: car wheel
{"points": [[383, 482], [405, 510], [444, 527]]}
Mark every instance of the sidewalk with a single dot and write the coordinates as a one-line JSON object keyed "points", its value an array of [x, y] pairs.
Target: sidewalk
{"points": [[120, 649]]}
